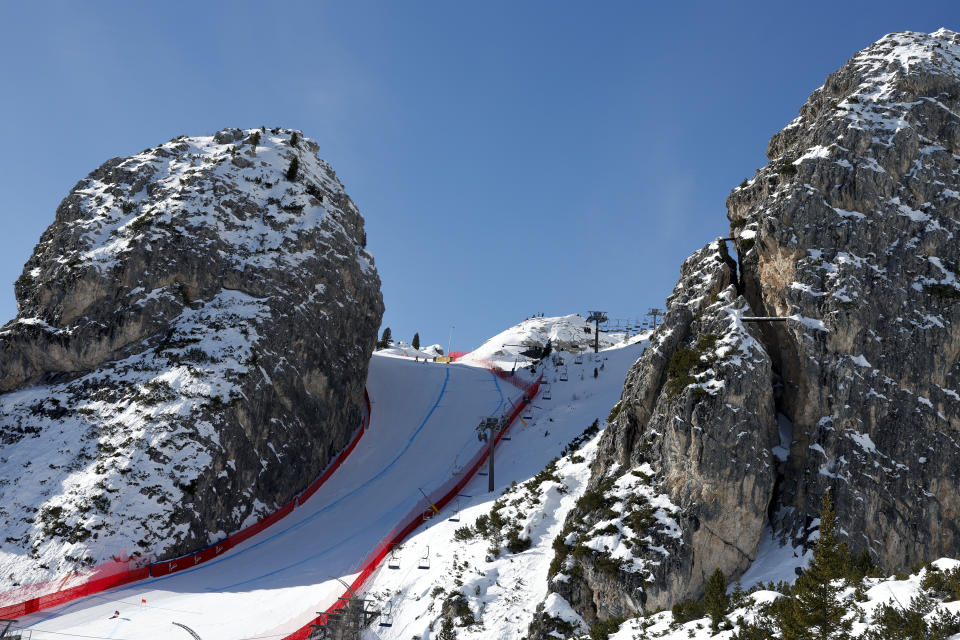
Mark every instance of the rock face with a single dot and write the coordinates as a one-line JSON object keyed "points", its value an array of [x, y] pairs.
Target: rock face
{"points": [[191, 347], [850, 234]]}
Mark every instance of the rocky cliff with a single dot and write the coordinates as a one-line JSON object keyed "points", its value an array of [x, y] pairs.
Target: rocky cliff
{"points": [[847, 237], [190, 350]]}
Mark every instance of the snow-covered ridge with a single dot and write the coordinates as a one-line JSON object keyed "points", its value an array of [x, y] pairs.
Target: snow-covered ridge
{"points": [[571, 333], [195, 171]]}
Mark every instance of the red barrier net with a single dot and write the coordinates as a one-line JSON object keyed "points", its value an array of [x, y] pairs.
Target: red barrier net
{"points": [[440, 498], [118, 572]]}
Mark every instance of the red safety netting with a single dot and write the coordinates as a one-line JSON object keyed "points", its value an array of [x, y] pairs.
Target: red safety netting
{"points": [[47, 594], [118, 572], [439, 498]]}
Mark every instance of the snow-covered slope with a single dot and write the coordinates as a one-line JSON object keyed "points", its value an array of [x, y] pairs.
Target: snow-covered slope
{"points": [[475, 575], [402, 349], [422, 423], [570, 333], [865, 611]]}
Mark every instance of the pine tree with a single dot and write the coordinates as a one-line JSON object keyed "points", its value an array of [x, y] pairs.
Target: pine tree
{"points": [[293, 169], [547, 349], [813, 610], [416, 341], [447, 632], [716, 598], [385, 339], [294, 139]]}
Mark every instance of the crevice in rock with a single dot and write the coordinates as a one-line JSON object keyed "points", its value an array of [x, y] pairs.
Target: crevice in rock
{"points": [[735, 266]]}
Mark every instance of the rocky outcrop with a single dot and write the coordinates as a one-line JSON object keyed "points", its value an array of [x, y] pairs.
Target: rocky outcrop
{"points": [[697, 424], [848, 236], [190, 350]]}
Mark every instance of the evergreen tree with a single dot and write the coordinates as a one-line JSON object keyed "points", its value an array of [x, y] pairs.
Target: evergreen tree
{"points": [[416, 341], [293, 169], [813, 610], [716, 598], [547, 349], [385, 339], [447, 632], [294, 139]]}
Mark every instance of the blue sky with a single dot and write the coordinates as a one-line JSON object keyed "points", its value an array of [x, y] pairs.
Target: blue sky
{"points": [[510, 158]]}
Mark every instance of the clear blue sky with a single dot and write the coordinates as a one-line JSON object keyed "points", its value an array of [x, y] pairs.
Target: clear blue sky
{"points": [[509, 157]]}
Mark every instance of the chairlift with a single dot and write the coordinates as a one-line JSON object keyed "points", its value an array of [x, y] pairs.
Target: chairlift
{"points": [[456, 514], [386, 617], [428, 515], [563, 375], [393, 560], [578, 359], [424, 559], [596, 357], [546, 395]]}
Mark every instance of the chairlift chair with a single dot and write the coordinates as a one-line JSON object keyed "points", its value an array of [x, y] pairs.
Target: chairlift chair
{"points": [[578, 359], [424, 560], [563, 375], [386, 617], [546, 395], [393, 561], [456, 514]]}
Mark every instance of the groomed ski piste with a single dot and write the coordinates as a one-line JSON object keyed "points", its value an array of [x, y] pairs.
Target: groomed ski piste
{"points": [[422, 428], [501, 591]]}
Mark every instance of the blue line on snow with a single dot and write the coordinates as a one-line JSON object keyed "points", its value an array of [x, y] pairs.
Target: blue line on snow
{"points": [[205, 565], [306, 520], [334, 546]]}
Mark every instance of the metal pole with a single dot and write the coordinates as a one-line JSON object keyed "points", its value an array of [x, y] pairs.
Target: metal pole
{"points": [[450, 341], [490, 462]]}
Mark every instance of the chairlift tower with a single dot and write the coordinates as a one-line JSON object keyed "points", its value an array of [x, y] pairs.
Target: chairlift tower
{"points": [[347, 621], [487, 430], [655, 313], [596, 317], [10, 632]]}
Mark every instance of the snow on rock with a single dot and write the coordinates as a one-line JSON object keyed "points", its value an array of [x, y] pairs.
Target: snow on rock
{"points": [[190, 351]]}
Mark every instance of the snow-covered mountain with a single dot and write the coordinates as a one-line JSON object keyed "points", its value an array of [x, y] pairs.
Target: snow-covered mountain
{"points": [[847, 240], [571, 333], [190, 350]]}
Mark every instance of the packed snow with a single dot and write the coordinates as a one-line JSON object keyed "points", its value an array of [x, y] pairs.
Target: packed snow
{"points": [[422, 422]]}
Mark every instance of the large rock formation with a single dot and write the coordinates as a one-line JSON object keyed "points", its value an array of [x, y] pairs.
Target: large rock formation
{"points": [[191, 347], [849, 233]]}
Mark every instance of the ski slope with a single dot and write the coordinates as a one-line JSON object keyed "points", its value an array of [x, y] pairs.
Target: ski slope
{"points": [[503, 592], [422, 423]]}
